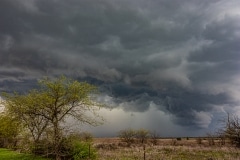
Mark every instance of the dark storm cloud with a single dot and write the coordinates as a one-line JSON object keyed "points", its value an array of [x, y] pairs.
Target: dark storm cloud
{"points": [[180, 56]]}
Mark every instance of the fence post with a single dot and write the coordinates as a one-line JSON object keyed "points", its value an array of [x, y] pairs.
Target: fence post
{"points": [[89, 151], [144, 153]]}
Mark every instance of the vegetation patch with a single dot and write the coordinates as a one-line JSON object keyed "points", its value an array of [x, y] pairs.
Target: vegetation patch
{"points": [[186, 149], [7, 154]]}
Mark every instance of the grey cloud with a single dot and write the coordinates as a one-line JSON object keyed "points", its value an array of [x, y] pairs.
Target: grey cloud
{"points": [[215, 66], [225, 36], [181, 56], [188, 108]]}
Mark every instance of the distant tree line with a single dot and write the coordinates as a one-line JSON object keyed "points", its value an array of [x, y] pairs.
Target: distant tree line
{"points": [[140, 135], [230, 132]]}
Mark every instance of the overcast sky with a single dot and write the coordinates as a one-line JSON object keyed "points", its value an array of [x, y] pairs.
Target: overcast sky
{"points": [[166, 65]]}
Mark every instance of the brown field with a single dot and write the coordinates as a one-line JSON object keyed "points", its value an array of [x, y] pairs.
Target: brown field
{"points": [[166, 149]]}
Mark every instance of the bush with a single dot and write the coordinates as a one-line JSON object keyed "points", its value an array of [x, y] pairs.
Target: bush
{"points": [[179, 139], [83, 150], [210, 139], [86, 136], [199, 140], [174, 142], [78, 146], [154, 137], [127, 135], [142, 135]]}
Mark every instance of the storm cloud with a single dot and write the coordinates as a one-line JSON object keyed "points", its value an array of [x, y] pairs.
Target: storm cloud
{"points": [[181, 58]]}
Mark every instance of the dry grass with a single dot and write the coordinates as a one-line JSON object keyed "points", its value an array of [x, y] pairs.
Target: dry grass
{"points": [[166, 149]]}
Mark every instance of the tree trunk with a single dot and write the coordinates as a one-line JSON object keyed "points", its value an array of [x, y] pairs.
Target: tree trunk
{"points": [[56, 143]]}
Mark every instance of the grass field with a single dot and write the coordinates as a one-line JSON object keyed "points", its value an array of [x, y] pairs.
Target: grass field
{"points": [[166, 149], [6, 154]]}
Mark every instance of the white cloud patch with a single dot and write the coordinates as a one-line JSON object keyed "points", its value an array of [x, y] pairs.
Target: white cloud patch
{"points": [[202, 119]]}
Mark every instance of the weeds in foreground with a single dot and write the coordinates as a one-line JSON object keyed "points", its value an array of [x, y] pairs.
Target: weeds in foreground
{"points": [[167, 152]]}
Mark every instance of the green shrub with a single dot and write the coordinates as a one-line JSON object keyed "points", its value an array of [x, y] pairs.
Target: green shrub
{"points": [[78, 146], [7, 154], [83, 150]]}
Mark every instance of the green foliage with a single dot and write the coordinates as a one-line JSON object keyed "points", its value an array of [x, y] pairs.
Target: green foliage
{"points": [[8, 127], [83, 150], [24, 109], [75, 147], [44, 111], [9, 130], [7, 154]]}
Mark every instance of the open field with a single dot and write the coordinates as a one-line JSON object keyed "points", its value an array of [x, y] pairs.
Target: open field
{"points": [[166, 149], [6, 154]]}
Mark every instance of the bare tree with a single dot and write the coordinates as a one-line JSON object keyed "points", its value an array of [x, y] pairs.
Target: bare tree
{"points": [[127, 135], [154, 137], [232, 129], [142, 135], [210, 138]]}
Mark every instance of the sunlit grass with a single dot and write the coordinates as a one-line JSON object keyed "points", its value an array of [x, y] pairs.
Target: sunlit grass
{"points": [[6, 154]]}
